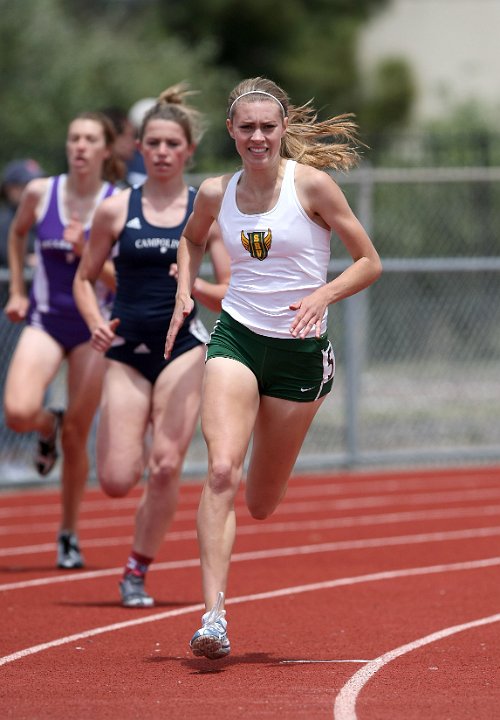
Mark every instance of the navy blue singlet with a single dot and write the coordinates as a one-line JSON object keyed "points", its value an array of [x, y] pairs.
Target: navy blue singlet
{"points": [[143, 253], [145, 294]]}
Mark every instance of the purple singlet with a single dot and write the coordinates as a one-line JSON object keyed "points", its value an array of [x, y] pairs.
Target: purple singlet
{"points": [[52, 307]]}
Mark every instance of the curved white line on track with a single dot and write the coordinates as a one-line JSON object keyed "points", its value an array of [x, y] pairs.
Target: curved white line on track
{"points": [[345, 702], [298, 589], [293, 551]]}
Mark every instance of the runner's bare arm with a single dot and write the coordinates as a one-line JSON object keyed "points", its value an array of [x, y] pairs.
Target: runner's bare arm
{"points": [[191, 252]]}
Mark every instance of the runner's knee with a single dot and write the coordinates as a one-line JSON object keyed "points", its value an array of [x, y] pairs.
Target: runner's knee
{"points": [[163, 472], [117, 484], [18, 420], [223, 477]]}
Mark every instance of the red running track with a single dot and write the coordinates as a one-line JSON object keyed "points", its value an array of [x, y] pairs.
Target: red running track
{"points": [[371, 596]]}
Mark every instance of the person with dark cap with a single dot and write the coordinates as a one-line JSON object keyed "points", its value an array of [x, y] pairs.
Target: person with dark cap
{"points": [[15, 176]]}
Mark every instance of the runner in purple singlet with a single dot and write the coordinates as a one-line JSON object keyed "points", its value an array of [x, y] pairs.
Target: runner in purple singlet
{"points": [[60, 209]]}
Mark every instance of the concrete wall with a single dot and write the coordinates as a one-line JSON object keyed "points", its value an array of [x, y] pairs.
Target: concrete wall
{"points": [[453, 47]]}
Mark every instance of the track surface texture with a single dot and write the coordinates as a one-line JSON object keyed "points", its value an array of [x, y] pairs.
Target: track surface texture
{"points": [[366, 596]]}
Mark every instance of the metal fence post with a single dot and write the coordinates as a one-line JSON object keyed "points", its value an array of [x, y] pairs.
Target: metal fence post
{"points": [[356, 314]]}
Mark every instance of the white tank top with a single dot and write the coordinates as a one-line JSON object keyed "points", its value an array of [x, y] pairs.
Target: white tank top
{"points": [[277, 257]]}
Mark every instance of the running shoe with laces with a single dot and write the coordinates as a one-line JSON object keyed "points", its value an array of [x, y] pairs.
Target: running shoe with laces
{"points": [[46, 451], [69, 556], [211, 640], [133, 592]]}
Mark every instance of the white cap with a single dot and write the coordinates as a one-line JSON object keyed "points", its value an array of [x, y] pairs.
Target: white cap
{"points": [[139, 109]]}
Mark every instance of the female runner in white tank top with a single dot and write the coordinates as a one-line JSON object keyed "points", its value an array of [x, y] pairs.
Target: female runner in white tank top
{"points": [[270, 364]]}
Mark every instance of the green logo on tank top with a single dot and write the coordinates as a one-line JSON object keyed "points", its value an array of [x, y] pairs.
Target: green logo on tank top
{"points": [[257, 243]]}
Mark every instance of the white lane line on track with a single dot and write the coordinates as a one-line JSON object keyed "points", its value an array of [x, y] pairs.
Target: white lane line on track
{"points": [[51, 547], [279, 527], [345, 702], [292, 551], [283, 592], [104, 505], [367, 501], [308, 489], [86, 524], [390, 485], [286, 508]]}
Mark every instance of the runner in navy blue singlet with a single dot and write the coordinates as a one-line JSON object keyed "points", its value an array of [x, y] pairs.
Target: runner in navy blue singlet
{"points": [[147, 400], [60, 209], [145, 299]]}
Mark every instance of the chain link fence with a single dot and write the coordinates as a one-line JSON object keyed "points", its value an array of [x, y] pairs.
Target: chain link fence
{"points": [[418, 371]]}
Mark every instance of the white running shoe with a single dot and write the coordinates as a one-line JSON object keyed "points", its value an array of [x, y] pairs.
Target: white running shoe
{"points": [[211, 640]]}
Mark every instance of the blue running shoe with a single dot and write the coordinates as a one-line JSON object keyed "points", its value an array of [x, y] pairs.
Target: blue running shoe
{"points": [[211, 640]]}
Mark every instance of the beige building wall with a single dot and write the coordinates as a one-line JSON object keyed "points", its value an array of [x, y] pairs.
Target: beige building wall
{"points": [[453, 47]]}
